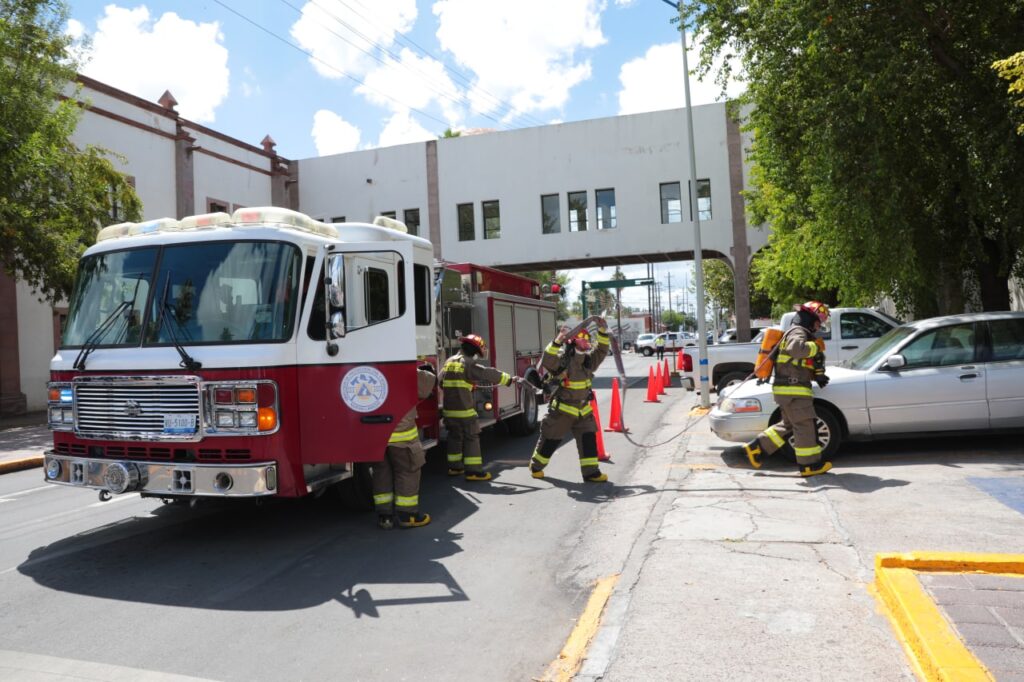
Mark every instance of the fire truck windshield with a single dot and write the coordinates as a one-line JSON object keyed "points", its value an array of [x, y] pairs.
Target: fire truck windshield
{"points": [[198, 293]]}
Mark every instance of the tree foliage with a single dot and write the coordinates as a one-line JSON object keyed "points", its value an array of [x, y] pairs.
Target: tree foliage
{"points": [[53, 196], [1012, 69], [720, 291], [549, 277], [885, 157]]}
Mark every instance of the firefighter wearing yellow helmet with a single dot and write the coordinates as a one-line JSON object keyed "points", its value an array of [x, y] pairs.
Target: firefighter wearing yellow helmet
{"points": [[572, 364], [799, 360], [460, 375]]}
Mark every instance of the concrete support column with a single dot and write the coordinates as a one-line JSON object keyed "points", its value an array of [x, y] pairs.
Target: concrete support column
{"points": [[433, 200], [740, 251], [184, 174], [12, 400]]}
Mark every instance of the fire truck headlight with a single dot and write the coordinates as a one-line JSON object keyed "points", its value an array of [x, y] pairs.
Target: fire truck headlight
{"points": [[56, 415], [53, 469], [225, 418], [121, 477], [247, 419], [68, 416]]}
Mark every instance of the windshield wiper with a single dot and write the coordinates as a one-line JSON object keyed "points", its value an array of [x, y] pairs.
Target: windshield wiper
{"points": [[94, 339], [187, 361]]}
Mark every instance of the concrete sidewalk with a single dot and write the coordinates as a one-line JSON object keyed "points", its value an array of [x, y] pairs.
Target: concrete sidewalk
{"points": [[754, 575], [22, 442]]}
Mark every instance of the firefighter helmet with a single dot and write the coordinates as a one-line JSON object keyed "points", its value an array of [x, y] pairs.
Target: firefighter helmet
{"points": [[581, 340], [476, 341], [816, 308]]}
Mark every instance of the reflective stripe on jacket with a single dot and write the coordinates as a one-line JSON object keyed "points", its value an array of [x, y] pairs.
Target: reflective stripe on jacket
{"points": [[794, 367], [405, 430], [575, 382], [459, 377]]}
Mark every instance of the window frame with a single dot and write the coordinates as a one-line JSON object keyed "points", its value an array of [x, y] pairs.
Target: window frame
{"points": [[484, 206], [463, 235], [666, 211], [557, 215], [597, 209], [586, 210]]}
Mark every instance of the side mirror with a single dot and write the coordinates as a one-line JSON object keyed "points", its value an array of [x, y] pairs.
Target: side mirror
{"points": [[336, 281], [895, 361], [336, 325]]}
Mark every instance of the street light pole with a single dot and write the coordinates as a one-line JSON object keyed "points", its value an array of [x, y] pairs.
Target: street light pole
{"points": [[702, 342]]}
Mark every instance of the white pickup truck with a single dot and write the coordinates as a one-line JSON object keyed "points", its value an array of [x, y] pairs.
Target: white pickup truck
{"points": [[850, 331]]}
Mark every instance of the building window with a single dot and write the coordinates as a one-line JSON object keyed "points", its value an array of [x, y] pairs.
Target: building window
{"points": [[338, 219], [217, 205], [390, 214], [492, 220], [467, 229], [551, 214], [703, 199], [605, 209], [577, 211], [671, 207], [412, 220]]}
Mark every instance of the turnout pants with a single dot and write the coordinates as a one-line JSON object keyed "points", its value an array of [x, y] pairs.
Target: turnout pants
{"points": [[464, 444], [798, 419], [563, 418], [396, 479]]}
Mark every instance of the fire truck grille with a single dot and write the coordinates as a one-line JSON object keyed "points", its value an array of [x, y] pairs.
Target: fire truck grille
{"points": [[134, 411]]}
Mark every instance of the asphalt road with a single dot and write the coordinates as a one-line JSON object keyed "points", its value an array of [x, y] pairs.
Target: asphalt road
{"points": [[306, 590]]}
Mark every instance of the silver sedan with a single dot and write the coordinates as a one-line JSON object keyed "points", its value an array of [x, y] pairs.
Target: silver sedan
{"points": [[959, 373]]}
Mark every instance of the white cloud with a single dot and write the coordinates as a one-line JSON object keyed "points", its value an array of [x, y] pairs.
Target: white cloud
{"points": [[413, 82], [524, 52], [131, 52], [250, 86], [625, 3], [401, 128], [76, 29], [655, 81], [339, 34], [332, 134]]}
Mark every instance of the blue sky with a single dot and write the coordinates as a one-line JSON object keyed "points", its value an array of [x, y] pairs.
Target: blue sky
{"points": [[330, 76]]}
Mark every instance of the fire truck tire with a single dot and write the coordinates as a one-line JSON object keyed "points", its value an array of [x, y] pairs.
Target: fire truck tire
{"points": [[356, 493], [525, 423]]}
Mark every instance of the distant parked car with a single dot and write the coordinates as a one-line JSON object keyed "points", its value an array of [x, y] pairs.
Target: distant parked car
{"points": [[645, 343], [960, 373]]}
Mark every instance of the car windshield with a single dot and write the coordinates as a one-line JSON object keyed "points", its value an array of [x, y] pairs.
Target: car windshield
{"points": [[210, 292], [881, 348]]}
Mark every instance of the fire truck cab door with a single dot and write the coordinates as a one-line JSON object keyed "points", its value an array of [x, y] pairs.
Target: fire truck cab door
{"points": [[357, 377]]}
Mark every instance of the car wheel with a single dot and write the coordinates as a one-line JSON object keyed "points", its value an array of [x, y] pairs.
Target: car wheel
{"points": [[830, 433], [648, 352], [525, 423], [730, 379]]}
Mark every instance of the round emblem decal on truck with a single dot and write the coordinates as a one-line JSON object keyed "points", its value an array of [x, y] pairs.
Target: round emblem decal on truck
{"points": [[364, 389]]}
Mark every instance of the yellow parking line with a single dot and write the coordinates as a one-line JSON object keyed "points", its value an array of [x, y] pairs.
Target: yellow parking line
{"points": [[935, 650], [697, 411], [568, 662]]}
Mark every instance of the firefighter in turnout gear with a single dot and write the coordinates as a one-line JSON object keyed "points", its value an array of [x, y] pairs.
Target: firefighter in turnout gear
{"points": [[799, 360], [458, 378], [572, 364], [396, 478]]}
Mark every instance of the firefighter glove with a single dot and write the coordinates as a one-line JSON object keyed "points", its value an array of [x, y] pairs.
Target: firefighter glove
{"points": [[822, 380]]}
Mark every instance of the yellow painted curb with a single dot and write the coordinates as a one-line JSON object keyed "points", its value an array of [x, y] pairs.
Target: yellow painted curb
{"points": [[697, 411], [19, 464], [935, 650], [568, 662]]}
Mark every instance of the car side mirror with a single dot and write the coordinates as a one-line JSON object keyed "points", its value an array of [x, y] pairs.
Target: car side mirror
{"points": [[895, 362], [336, 325]]}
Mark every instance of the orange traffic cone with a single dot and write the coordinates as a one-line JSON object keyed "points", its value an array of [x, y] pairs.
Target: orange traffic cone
{"points": [[666, 376], [679, 361], [615, 420], [602, 456], [652, 387], [660, 378]]}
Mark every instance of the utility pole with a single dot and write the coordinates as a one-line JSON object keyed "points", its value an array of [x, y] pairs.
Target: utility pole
{"points": [[670, 290]]}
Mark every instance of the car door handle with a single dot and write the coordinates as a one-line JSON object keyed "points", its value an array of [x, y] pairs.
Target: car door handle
{"points": [[849, 347], [972, 375]]}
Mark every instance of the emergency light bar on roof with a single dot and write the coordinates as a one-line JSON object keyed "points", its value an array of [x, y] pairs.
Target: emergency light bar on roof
{"points": [[241, 217]]}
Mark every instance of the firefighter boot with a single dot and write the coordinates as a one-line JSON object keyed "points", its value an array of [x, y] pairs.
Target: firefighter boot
{"points": [[385, 521], [537, 473], [753, 452], [810, 470], [413, 520], [456, 471], [478, 475], [599, 477]]}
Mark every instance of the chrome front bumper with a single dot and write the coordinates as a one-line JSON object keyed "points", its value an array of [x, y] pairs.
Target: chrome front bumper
{"points": [[738, 428], [161, 478]]}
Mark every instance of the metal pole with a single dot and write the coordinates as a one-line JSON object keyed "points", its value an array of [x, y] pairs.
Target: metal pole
{"points": [[702, 344]]}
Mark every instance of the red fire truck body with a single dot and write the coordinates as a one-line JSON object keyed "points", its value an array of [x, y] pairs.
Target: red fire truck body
{"points": [[264, 353]]}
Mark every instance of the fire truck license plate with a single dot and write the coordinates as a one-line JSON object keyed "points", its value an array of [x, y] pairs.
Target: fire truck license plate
{"points": [[179, 423]]}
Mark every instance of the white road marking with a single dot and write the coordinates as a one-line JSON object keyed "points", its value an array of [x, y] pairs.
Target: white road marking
{"points": [[12, 497]]}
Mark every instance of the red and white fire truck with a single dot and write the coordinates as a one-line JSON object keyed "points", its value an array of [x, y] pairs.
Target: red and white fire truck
{"points": [[265, 353]]}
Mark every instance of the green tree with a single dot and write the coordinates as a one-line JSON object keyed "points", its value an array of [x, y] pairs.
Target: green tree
{"points": [[53, 196], [673, 320], [549, 277], [885, 157], [1012, 69], [448, 132], [720, 290]]}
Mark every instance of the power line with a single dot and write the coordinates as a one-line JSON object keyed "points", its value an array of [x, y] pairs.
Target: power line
{"points": [[328, 65], [455, 73], [436, 88]]}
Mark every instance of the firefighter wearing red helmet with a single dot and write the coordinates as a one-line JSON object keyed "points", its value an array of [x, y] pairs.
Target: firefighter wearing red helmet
{"points": [[572, 363], [459, 376], [800, 359]]}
